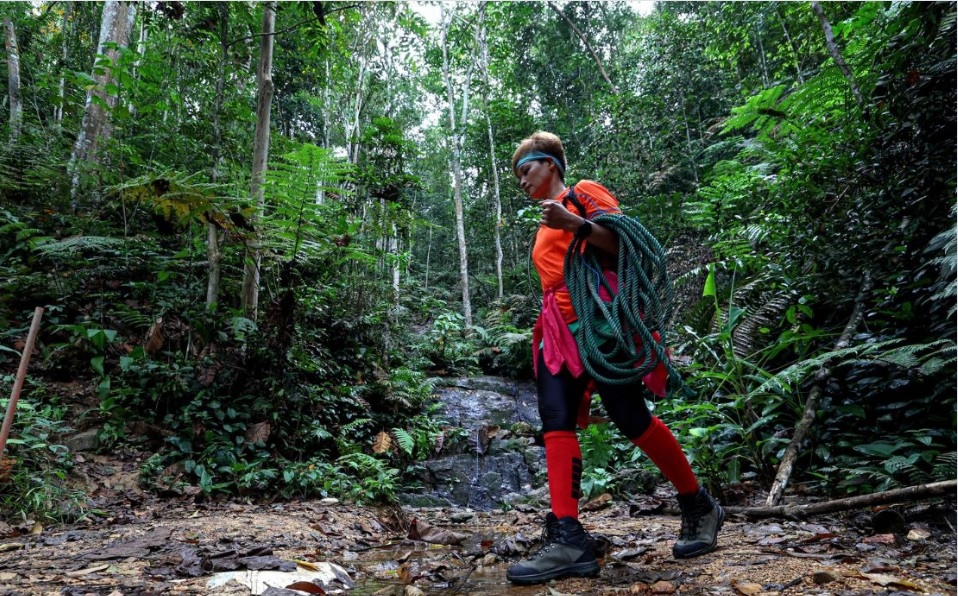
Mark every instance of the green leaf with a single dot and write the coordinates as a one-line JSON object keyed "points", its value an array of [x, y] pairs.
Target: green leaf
{"points": [[710, 282]]}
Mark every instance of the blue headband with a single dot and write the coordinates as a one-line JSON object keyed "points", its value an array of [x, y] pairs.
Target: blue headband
{"points": [[539, 155]]}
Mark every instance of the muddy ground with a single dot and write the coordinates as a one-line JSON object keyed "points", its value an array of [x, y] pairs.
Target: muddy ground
{"points": [[135, 543]]}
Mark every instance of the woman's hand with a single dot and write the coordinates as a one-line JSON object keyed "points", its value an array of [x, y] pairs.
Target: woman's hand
{"points": [[557, 217]]}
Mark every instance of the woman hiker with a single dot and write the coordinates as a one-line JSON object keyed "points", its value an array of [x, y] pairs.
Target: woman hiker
{"points": [[564, 387]]}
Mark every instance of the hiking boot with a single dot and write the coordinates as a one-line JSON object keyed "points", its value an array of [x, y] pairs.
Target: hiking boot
{"points": [[702, 519], [567, 549]]}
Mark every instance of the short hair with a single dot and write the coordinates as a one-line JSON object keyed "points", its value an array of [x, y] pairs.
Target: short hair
{"points": [[544, 142]]}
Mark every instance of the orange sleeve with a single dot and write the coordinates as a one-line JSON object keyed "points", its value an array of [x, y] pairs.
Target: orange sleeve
{"points": [[596, 199]]}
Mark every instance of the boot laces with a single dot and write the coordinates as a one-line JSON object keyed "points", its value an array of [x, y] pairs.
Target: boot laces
{"points": [[690, 525], [691, 519]]}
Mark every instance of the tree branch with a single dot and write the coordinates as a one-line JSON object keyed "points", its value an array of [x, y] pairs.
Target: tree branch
{"points": [[588, 46], [811, 403], [898, 495], [833, 50], [291, 27]]}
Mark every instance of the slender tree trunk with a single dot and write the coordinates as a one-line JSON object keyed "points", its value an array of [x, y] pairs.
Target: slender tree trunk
{"points": [[13, 79], [66, 29], [833, 50], [761, 55], [428, 254], [264, 77], [140, 51], [688, 139], [811, 403], [456, 162], [96, 128], [791, 44], [214, 239], [497, 235], [588, 46]]}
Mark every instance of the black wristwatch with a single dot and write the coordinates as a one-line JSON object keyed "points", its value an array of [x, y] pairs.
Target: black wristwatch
{"points": [[585, 228]]}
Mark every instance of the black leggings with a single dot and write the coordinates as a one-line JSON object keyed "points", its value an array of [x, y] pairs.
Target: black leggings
{"points": [[560, 396]]}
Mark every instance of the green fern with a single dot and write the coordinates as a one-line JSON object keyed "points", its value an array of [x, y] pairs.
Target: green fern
{"points": [[405, 440], [945, 466], [74, 244]]}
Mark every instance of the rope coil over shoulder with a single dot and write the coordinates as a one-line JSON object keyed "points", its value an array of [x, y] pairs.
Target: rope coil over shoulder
{"points": [[624, 351]]}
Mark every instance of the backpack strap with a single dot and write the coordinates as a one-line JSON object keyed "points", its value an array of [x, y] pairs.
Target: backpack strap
{"points": [[575, 201]]}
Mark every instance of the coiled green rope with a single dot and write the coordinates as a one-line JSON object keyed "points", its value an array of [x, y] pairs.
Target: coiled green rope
{"points": [[622, 351]]}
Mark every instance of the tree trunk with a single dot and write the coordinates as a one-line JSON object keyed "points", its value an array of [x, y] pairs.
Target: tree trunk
{"points": [[96, 128], [66, 29], [214, 239], [811, 403], [833, 50], [264, 78], [13, 79], [497, 229], [455, 139]]}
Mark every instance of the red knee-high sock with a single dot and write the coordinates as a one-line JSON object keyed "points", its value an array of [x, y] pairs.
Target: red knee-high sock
{"points": [[660, 445], [564, 466]]}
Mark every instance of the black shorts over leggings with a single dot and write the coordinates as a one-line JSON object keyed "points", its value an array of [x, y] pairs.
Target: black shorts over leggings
{"points": [[560, 395]]}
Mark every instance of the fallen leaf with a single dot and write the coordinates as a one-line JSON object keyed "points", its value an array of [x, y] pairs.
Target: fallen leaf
{"points": [[630, 553], [306, 564], [597, 503], [917, 534], [663, 588], [382, 443], [747, 588], [880, 539], [412, 591], [420, 530], [405, 556], [87, 571], [257, 433], [10, 546], [890, 580], [154, 337], [878, 566], [308, 587], [6, 576], [36, 529]]}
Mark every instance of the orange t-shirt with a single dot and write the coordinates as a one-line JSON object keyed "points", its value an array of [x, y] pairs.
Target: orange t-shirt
{"points": [[548, 255]]}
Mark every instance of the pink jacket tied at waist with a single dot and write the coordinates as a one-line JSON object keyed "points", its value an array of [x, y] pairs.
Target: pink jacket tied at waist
{"points": [[559, 348]]}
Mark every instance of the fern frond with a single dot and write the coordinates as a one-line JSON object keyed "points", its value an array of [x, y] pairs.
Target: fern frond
{"points": [[405, 440], [134, 318], [945, 466], [350, 427], [74, 244]]}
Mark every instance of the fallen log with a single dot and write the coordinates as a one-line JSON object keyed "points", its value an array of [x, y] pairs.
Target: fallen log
{"points": [[811, 402], [898, 495]]}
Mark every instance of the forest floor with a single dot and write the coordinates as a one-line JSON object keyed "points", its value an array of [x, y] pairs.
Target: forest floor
{"points": [[131, 542]]}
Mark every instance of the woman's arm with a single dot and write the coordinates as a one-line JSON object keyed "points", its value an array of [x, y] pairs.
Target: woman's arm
{"points": [[557, 217]]}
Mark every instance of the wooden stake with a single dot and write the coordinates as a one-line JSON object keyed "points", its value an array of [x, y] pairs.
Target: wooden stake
{"points": [[21, 375]]}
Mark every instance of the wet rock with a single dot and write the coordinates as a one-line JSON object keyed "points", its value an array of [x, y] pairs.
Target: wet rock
{"points": [[83, 441]]}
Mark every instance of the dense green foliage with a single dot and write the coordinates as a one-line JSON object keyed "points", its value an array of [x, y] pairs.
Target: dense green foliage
{"points": [[726, 128]]}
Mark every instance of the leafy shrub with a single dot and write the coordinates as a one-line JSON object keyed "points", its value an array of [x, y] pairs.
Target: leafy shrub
{"points": [[34, 471]]}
